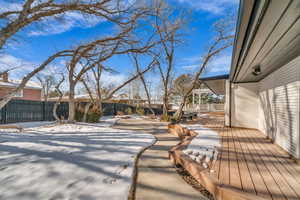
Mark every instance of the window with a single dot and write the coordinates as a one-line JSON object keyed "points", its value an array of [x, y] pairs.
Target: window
{"points": [[19, 94]]}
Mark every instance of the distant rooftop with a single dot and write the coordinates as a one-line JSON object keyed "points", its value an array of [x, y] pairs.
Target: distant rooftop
{"points": [[15, 83]]}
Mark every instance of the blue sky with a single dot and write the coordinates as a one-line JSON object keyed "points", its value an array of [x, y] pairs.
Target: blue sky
{"points": [[37, 42]]}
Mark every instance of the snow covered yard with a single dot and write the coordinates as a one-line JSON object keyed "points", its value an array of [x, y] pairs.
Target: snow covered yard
{"points": [[70, 161]]}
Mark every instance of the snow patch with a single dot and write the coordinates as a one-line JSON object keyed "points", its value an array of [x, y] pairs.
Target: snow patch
{"points": [[69, 161]]}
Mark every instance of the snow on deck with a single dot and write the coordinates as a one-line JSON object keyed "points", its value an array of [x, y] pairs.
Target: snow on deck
{"points": [[70, 161], [203, 148]]}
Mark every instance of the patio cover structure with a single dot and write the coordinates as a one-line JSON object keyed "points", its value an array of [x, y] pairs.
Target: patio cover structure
{"points": [[216, 83]]}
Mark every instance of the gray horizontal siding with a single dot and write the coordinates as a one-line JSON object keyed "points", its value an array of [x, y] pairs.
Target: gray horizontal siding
{"points": [[279, 95]]}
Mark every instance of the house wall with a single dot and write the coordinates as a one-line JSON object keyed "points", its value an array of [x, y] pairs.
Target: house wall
{"points": [[28, 94], [244, 105], [227, 103], [270, 105], [279, 95]]}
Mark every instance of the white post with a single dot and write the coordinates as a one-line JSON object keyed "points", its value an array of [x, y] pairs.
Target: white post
{"points": [[200, 100], [193, 98]]}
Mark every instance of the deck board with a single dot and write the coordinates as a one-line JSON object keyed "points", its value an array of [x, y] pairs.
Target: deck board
{"points": [[235, 177], [224, 159], [261, 187], [250, 162], [287, 183], [246, 179]]}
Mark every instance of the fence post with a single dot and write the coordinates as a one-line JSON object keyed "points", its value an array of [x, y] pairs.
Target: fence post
{"points": [[3, 113], [43, 111], [115, 109]]}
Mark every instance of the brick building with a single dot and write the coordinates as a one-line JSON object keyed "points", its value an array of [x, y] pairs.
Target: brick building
{"points": [[32, 91]]}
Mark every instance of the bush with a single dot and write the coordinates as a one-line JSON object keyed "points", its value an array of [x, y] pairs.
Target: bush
{"points": [[166, 118], [120, 113], [93, 114], [128, 111], [78, 116], [140, 111], [93, 117]]}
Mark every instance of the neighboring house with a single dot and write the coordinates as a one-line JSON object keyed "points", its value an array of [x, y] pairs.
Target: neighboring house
{"points": [[263, 90], [32, 90]]}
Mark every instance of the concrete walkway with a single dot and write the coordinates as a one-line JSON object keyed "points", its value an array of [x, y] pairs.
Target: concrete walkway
{"points": [[157, 178]]}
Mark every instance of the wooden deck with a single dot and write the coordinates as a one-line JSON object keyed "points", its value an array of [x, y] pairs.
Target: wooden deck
{"points": [[251, 163]]}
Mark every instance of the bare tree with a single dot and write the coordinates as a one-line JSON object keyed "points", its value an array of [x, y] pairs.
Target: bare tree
{"points": [[92, 54], [60, 95], [168, 31], [99, 93], [223, 39], [32, 11], [83, 61], [142, 78], [182, 84], [47, 82]]}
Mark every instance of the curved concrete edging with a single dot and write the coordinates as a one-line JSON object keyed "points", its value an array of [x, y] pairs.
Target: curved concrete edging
{"points": [[202, 175], [131, 195], [155, 177]]}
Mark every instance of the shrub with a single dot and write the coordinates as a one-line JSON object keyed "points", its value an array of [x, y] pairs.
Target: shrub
{"points": [[166, 118], [93, 114], [128, 111], [140, 111], [120, 113], [93, 117], [78, 116]]}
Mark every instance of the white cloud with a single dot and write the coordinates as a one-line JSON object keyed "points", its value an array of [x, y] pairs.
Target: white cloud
{"points": [[112, 78], [193, 59], [9, 6], [21, 66], [190, 67], [216, 7], [63, 23], [55, 24], [190, 63], [220, 64]]}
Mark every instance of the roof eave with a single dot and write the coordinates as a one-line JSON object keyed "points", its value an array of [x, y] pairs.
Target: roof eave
{"points": [[242, 33]]}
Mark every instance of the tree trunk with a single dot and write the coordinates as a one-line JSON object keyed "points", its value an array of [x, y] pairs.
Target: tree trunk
{"points": [[6, 99], [179, 112], [86, 110], [2, 42], [148, 95], [149, 104], [72, 108], [54, 111], [100, 109], [165, 107], [7, 32]]}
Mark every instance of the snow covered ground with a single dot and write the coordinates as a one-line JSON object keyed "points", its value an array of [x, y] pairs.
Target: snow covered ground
{"points": [[69, 161]]}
